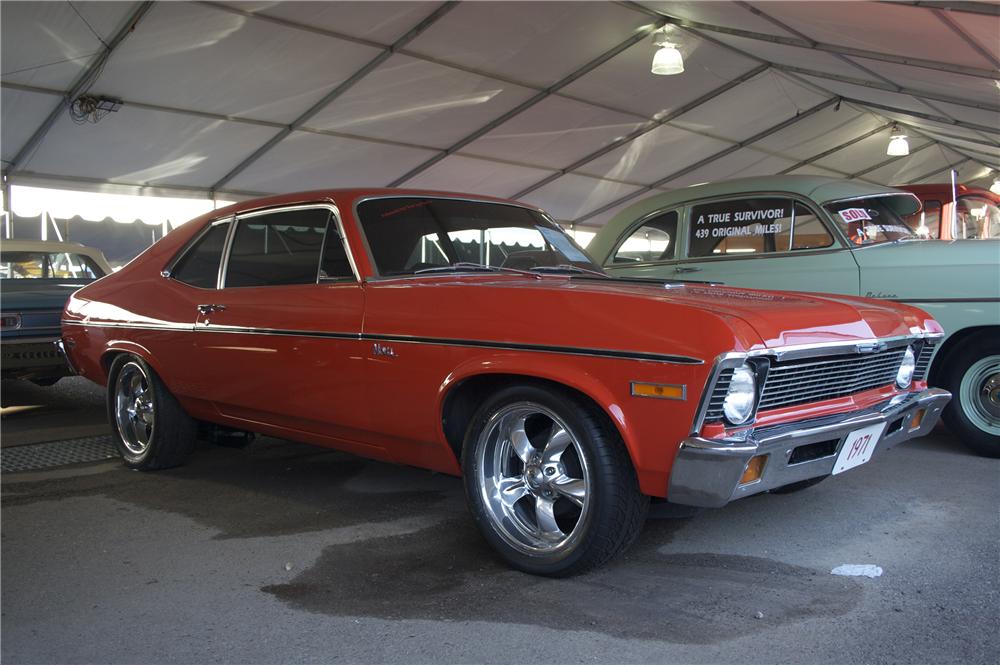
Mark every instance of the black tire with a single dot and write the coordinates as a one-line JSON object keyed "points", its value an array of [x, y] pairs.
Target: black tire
{"points": [[799, 486], [611, 512], [170, 432], [960, 415]]}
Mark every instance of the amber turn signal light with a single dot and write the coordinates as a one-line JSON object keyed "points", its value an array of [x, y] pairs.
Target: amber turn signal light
{"points": [[658, 390], [918, 417], [755, 469]]}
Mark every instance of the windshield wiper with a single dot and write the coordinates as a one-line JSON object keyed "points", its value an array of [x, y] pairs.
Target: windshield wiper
{"points": [[565, 267], [468, 266]]}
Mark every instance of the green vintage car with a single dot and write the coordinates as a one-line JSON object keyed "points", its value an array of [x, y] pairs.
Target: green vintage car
{"points": [[811, 233]]}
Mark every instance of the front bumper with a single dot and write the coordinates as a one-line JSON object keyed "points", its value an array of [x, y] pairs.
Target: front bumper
{"points": [[32, 357], [707, 472]]}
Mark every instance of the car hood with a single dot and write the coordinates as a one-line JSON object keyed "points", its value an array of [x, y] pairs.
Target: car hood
{"points": [[788, 318], [38, 293]]}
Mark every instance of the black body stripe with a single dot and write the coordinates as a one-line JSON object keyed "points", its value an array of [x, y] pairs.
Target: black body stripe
{"points": [[405, 339]]}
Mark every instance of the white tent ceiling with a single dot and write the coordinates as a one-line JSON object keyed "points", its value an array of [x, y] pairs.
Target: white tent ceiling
{"points": [[548, 102]]}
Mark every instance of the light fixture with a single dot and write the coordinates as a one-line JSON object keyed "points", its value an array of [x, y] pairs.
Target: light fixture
{"points": [[898, 145], [995, 187], [668, 59]]}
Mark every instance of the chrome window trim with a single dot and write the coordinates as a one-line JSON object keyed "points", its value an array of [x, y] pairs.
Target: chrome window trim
{"points": [[377, 276], [622, 239], [168, 270], [795, 352], [323, 205], [684, 221]]}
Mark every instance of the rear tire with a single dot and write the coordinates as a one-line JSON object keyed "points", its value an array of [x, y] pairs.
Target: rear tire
{"points": [[151, 430], [972, 375], [549, 481]]}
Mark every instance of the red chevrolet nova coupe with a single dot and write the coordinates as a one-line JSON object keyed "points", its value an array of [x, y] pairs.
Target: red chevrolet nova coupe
{"points": [[471, 336]]}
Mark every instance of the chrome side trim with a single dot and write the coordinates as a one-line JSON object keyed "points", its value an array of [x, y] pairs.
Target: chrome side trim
{"points": [[405, 339]]}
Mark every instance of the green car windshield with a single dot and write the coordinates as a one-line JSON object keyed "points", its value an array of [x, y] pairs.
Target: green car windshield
{"points": [[873, 220]]}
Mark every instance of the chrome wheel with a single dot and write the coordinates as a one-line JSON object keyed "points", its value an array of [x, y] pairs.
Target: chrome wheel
{"points": [[134, 412], [979, 394], [534, 479]]}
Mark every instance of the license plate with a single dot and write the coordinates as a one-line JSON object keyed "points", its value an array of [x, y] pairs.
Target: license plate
{"points": [[858, 447]]}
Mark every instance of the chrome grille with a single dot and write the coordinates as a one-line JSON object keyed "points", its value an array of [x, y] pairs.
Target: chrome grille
{"points": [[923, 362], [714, 411], [811, 380]]}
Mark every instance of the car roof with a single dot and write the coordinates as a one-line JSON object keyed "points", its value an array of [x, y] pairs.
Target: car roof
{"points": [[19, 245]]}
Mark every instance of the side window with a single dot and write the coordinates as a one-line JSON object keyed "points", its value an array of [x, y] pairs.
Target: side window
{"points": [[336, 265], [927, 222], [200, 265], [977, 218], [755, 226], [277, 249], [655, 240]]}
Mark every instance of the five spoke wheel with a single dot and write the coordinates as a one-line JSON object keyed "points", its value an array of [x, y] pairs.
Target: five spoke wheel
{"points": [[134, 411], [535, 479]]}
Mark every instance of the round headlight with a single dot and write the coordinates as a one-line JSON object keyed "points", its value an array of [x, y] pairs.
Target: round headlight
{"points": [[742, 394], [905, 374]]}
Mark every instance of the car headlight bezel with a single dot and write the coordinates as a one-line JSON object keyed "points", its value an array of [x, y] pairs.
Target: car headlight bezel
{"points": [[907, 369], [740, 403]]}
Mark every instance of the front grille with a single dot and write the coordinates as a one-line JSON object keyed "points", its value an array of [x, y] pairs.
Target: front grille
{"points": [[812, 380], [714, 411], [923, 362]]}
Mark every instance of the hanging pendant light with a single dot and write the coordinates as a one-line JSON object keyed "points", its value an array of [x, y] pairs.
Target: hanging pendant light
{"points": [[898, 145], [668, 59], [995, 187]]}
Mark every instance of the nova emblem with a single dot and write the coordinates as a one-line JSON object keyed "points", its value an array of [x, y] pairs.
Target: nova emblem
{"points": [[383, 350], [871, 347]]}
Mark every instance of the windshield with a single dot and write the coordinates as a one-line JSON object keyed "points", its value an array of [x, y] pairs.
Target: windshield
{"points": [[976, 217], [408, 235], [873, 220], [47, 265]]}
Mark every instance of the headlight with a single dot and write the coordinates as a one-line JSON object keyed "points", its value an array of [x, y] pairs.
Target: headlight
{"points": [[905, 374], [742, 394]]}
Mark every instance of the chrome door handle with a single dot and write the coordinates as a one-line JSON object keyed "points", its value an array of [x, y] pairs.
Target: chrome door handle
{"points": [[687, 269], [208, 309]]}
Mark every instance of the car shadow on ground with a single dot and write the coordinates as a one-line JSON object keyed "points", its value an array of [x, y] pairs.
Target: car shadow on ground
{"points": [[446, 571]]}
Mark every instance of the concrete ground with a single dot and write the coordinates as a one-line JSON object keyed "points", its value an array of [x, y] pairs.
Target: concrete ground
{"points": [[285, 553]]}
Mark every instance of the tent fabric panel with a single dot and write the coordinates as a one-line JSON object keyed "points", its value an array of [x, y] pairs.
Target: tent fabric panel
{"points": [[197, 57], [883, 27], [572, 195], [554, 133], [315, 161], [741, 163], [863, 154], [468, 174], [22, 113], [958, 86], [535, 42], [906, 171], [626, 82], [984, 29], [861, 93], [812, 169], [762, 102], [793, 56], [52, 46], [726, 14], [821, 132], [382, 22], [414, 101], [655, 154], [149, 147]]}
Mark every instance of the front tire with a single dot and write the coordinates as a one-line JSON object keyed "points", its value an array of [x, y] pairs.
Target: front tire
{"points": [[549, 481], [151, 429], [972, 375]]}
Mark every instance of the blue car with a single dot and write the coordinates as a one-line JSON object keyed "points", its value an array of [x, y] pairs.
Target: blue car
{"points": [[38, 278]]}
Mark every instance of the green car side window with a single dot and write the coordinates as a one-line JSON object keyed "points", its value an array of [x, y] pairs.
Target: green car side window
{"points": [[754, 226], [654, 240]]}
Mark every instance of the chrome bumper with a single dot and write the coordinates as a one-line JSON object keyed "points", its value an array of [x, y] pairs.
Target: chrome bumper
{"points": [[29, 357], [707, 472]]}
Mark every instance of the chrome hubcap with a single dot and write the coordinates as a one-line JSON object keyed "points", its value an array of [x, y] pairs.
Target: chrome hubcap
{"points": [[134, 415], [979, 394], [534, 479]]}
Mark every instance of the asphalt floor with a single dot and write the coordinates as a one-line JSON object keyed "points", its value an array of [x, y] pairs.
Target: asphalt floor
{"points": [[285, 553]]}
